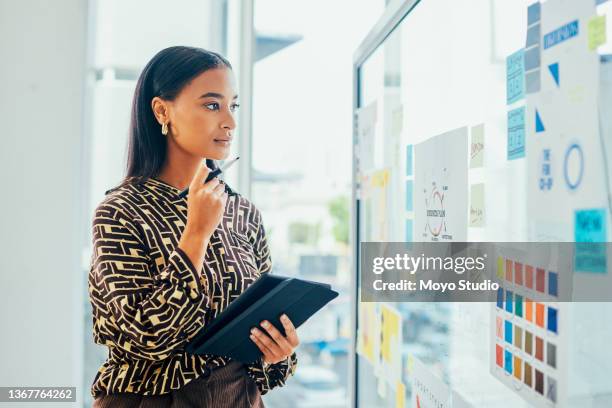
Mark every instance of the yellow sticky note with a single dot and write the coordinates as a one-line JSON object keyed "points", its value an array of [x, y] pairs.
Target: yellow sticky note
{"points": [[597, 32], [400, 395], [500, 267]]}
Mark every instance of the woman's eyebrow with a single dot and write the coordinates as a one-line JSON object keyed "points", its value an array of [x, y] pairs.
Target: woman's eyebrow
{"points": [[215, 95]]}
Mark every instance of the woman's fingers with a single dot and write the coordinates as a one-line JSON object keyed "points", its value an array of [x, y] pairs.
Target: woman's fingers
{"points": [[274, 351], [282, 342], [290, 331], [264, 349]]}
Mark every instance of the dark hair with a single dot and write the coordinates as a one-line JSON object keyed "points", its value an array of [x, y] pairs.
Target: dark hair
{"points": [[168, 72]]}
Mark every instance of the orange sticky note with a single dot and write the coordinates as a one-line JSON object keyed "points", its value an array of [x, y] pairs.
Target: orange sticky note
{"points": [[540, 314], [529, 310]]}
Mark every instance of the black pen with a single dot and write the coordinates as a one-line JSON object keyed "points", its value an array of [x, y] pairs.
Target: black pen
{"points": [[211, 175]]}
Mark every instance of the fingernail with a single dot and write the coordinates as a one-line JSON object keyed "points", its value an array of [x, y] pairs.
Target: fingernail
{"points": [[253, 330], [284, 317], [264, 323], [252, 337]]}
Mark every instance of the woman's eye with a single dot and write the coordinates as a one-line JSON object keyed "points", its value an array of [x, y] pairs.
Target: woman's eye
{"points": [[234, 107], [212, 106]]}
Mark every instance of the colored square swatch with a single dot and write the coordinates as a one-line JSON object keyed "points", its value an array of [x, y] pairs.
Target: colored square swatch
{"points": [[508, 331], [509, 270], [509, 303], [529, 310], [551, 355], [518, 273], [518, 305], [499, 355], [540, 280], [518, 367], [539, 348], [518, 337], [551, 388], [500, 298], [540, 314], [499, 327], [528, 342], [553, 290], [529, 276], [552, 319], [539, 381], [508, 361], [528, 375]]}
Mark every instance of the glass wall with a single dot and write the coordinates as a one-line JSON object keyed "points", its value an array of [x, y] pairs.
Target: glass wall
{"points": [[444, 68]]}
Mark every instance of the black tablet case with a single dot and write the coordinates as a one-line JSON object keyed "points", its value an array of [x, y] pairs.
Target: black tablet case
{"points": [[266, 299]]}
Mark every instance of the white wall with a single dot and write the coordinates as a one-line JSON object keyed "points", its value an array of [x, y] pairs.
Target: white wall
{"points": [[42, 69]]}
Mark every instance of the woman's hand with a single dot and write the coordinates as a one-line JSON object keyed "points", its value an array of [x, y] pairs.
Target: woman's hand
{"points": [[273, 345], [205, 202]]}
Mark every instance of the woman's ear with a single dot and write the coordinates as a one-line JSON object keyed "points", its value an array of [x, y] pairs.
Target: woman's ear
{"points": [[160, 110]]}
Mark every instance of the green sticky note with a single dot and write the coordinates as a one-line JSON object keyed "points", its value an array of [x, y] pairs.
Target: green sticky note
{"points": [[597, 32]]}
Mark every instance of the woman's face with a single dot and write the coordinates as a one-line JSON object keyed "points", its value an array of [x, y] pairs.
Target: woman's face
{"points": [[201, 118]]}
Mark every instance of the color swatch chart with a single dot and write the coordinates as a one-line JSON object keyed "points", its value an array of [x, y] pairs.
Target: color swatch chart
{"points": [[526, 343]]}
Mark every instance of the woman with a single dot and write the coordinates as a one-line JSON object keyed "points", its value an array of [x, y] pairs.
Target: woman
{"points": [[163, 266]]}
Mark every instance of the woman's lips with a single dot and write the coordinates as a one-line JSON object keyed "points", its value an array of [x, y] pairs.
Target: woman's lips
{"points": [[223, 142]]}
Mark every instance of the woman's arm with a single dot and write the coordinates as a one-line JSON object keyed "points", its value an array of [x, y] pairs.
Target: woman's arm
{"points": [[146, 317]]}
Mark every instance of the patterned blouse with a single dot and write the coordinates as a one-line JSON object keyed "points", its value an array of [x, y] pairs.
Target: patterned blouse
{"points": [[148, 299]]}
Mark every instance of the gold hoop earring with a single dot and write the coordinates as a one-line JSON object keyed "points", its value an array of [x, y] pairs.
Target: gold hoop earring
{"points": [[164, 129]]}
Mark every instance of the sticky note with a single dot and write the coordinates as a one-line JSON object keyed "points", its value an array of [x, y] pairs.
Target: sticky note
{"points": [[409, 195], [552, 319], [499, 355], [590, 225], [509, 303], [528, 375], [529, 310], [499, 327], [409, 160], [518, 337], [477, 146], [590, 234], [508, 331], [533, 36], [518, 273], [553, 290], [477, 205], [508, 270], [533, 13], [597, 32], [540, 314], [518, 365], [529, 276], [500, 267], [539, 348], [400, 395], [518, 305], [409, 230], [561, 34], [551, 355], [508, 361], [551, 388], [539, 381], [528, 342], [515, 74], [532, 81], [540, 280], [532, 58], [500, 298], [516, 133]]}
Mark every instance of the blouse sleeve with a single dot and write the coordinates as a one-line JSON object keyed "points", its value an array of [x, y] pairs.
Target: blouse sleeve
{"points": [[274, 375], [146, 316]]}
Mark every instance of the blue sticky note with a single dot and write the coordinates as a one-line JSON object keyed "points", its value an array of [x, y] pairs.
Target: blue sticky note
{"points": [[590, 225], [552, 319], [533, 13], [409, 231], [500, 298], [553, 289], [532, 58], [509, 303], [508, 361], [409, 160], [561, 34], [516, 133], [508, 331], [590, 234], [409, 195], [515, 77]]}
